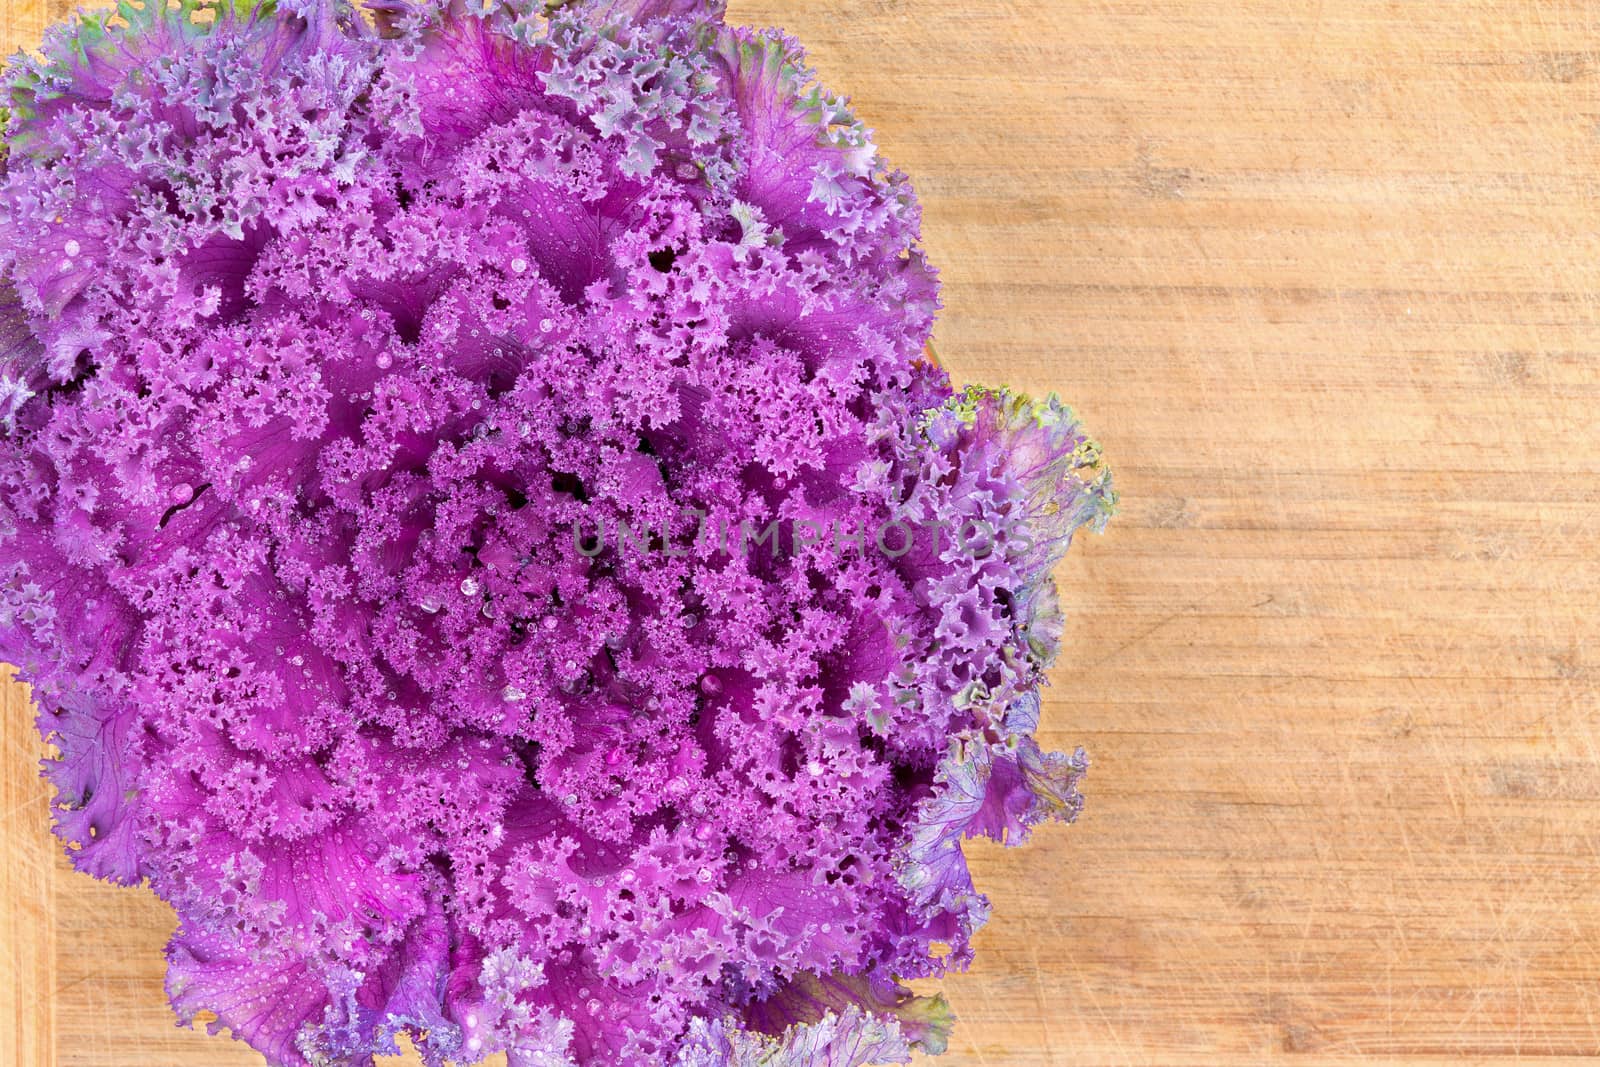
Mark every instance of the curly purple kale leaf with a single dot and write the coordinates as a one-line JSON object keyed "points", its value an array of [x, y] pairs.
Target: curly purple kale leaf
{"points": [[368, 382]]}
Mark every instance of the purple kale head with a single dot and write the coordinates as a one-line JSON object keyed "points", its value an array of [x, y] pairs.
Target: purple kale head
{"points": [[487, 541]]}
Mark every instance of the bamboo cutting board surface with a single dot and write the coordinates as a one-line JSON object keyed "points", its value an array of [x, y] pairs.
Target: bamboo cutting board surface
{"points": [[1323, 276]]}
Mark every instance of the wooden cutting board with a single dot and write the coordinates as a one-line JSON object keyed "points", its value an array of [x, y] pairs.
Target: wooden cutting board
{"points": [[1324, 278]]}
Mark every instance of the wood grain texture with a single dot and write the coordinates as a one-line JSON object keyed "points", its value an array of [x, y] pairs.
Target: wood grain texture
{"points": [[1323, 276]]}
